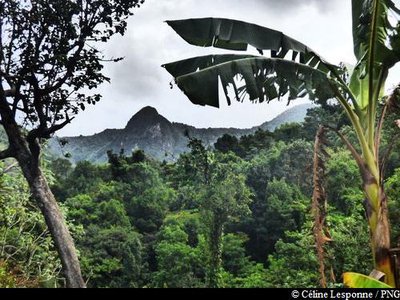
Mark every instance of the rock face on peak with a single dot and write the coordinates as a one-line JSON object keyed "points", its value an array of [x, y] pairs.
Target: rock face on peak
{"points": [[158, 137], [146, 111], [146, 116]]}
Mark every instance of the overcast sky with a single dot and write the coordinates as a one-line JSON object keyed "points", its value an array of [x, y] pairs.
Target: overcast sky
{"points": [[139, 80]]}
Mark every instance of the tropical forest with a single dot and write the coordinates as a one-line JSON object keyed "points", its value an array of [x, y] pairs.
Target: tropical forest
{"points": [[309, 200]]}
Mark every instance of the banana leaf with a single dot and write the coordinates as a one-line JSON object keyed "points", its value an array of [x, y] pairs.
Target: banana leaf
{"points": [[355, 280], [261, 78], [376, 47], [238, 35]]}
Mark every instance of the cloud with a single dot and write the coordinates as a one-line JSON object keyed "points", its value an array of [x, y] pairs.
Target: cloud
{"points": [[149, 42], [139, 80], [144, 50], [291, 5]]}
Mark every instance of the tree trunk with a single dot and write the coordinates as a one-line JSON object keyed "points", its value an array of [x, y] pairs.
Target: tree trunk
{"points": [[27, 155], [215, 244], [56, 225], [378, 220], [25, 148]]}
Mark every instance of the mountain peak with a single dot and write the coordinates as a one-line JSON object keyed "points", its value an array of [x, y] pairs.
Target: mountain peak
{"points": [[147, 115], [151, 132], [146, 112]]}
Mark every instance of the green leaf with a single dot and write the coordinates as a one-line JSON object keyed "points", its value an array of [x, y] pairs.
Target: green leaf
{"points": [[237, 35], [376, 47], [234, 35], [374, 31], [262, 79], [355, 280], [191, 65]]}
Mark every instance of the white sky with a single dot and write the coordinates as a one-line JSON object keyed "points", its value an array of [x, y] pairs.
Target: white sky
{"points": [[139, 80]]}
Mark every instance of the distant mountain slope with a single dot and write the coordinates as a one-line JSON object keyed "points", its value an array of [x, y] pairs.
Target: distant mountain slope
{"points": [[293, 115], [157, 136]]}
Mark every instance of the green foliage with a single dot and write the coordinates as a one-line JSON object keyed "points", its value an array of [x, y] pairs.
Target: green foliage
{"points": [[7, 280], [346, 252], [294, 263], [112, 257], [149, 209], [295, 165], [84, 179], [27, 256], [250, 145], [111, 248], [285, 208], [228, 143], [223, 202], [393, 193], [218, 186], [150, 200], [294, 258], [237, 216], [277, 178], [343, 182], [354, 280], [288, 132], [179, 264], [239, 271], [212, 218], [121, 165]]}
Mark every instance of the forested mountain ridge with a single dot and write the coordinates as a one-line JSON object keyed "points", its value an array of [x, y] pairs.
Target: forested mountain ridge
{"points": [[139, 222], [157, 136]]}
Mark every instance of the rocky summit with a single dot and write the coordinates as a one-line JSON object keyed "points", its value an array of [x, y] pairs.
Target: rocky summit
{"points": [[158, 137]]}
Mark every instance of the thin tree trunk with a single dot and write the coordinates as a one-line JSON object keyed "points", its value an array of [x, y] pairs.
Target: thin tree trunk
{"points": [[215, 245], [26, 150], [27, 155], [56, 225]]}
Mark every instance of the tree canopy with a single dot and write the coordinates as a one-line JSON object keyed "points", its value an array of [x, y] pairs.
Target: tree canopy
{"points": [[49, 63]]}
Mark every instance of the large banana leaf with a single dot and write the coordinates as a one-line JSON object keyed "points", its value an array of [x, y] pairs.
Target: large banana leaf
{"points": [[373, 32], [355, 280], [191, 65], [261, 78], [237, 35], [376, 47]]}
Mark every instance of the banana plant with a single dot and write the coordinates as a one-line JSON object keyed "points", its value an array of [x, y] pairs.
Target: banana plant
{"points": [[355, 281], [286, 68]]}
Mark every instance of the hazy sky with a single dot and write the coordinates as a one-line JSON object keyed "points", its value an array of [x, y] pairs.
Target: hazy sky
{"points": [[139, 80]]}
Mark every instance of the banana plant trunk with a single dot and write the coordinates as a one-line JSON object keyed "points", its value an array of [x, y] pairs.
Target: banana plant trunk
{"points": [[377, 214]]}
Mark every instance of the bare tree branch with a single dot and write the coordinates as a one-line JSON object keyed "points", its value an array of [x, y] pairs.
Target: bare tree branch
{"points": [[10, 92], [57, 127], [9, 168], [47, 132], [70, 69], [8, 153]]}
